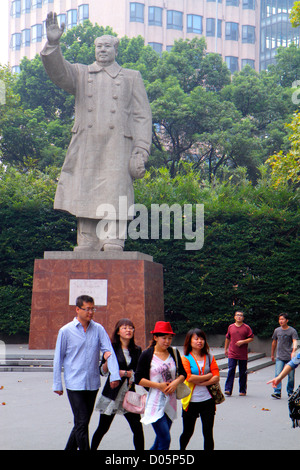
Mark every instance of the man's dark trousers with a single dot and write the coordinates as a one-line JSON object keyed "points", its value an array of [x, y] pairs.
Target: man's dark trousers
{"points": [[82, 404]]}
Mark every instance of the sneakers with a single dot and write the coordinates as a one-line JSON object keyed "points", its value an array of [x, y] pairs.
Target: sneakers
{"points": [[276, 395]]}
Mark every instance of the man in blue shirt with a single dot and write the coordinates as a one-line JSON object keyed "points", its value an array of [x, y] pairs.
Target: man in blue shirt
{"points": [[78, 347]]}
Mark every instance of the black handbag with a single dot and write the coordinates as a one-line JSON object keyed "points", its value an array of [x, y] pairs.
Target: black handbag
{"points": [[216, 391]]}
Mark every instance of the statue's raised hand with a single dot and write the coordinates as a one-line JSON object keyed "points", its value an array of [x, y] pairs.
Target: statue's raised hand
{"points": [[54, 32]]}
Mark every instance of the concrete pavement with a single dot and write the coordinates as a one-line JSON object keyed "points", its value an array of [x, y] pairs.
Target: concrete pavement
{"points": [[32, 417]]}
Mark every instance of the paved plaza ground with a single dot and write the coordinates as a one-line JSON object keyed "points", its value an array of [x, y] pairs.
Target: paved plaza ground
{"points": [[34, 418]]}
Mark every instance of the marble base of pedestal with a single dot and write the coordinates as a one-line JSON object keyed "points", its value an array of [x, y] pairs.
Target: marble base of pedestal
{"points": [[134, 290]]}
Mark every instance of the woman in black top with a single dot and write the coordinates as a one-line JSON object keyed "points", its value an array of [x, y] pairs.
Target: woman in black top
{"points": [[110, 402]]}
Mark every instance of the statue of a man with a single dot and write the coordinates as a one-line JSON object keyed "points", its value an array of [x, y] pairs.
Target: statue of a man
{"points": [[111, 139]]}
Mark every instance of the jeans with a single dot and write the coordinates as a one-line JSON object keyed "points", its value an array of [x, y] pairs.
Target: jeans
{"points": [[82, 404], [162, 430], [279, 365], [232, 363], [206, 410]]}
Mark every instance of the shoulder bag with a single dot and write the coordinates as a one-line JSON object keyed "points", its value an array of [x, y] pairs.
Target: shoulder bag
{"points": [[182, 390], [216, 391]]}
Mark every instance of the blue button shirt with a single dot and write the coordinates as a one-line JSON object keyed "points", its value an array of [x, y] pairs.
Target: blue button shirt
{"points": [[78, 352], [294, 363]]}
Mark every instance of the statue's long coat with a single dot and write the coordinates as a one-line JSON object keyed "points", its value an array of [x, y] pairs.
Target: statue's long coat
{"points": [[112, 117]]}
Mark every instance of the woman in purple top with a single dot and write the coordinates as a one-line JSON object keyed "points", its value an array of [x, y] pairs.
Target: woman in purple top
{"points": [[238, 336]]}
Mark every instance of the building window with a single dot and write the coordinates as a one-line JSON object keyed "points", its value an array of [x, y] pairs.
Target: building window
{"points": [[250, 62], [232, 3], [71, 19], [44, 29], [219, 1], [25, 37], [15, 11], [155, 16], [83, 13], [137, 12], [248, 4], [16, 69], [156, 46], [174, 19], [248, 34], [211, 27], [232, 31], [36, 4], [62, 18], [26, 6], [36, 33], [47, 1], [194, 24], [232, 63], [15, 42]]}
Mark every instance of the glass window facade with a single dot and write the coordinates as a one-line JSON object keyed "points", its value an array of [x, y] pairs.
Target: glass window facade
{"points": [[36, 33], [15, 42], [194, 24], [174, 19], [232, 31], [211, 27], [137, 12], [275, 30], [15, 11], [26, 6], [232, 3], [36, 3], [16, 69], [62, 18], [71, 19], [155, 16], [248, 4], [232, 63], [248, 34], [25, 37], [83, 13], [156, 46], [250, 62]]}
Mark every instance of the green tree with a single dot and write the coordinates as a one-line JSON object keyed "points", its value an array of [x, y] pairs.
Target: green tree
{"points": [[287, 67], [286, 168], [29, 226]]}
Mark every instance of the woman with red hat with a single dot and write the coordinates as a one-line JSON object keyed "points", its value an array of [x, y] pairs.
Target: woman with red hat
{"points": [[156, 371]]}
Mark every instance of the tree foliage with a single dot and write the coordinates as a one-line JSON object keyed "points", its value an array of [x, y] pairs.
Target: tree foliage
{"points": [[218, 140], [200, 114], [286, 168]]}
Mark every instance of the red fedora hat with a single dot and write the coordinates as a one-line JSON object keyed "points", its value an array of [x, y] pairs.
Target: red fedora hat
{"points": [[163, 327]]}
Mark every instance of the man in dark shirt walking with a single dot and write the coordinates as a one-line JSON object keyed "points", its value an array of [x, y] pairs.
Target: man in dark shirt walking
{"points": [[285, 339]]}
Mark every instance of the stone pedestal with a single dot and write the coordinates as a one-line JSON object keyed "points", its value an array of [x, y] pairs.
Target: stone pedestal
{"points": [[134, 290]]}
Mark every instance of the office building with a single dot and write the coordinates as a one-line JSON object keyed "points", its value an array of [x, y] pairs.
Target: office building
{"points": [[231, 27]]}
